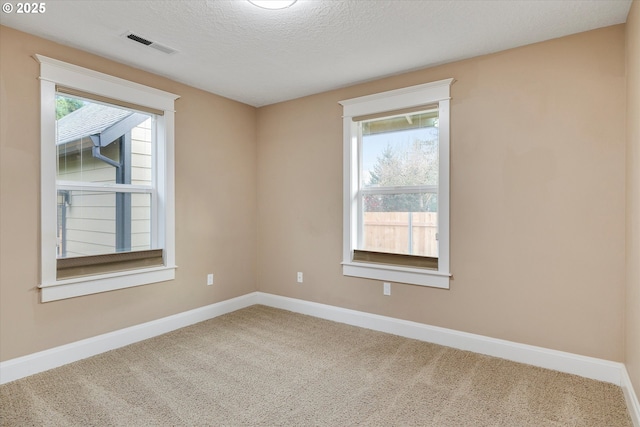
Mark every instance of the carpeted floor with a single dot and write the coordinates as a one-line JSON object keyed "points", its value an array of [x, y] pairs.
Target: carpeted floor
{"points": [[267, 367]]}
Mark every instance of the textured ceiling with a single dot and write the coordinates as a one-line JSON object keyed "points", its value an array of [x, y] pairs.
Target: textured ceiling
{"points": [[259, 56]]}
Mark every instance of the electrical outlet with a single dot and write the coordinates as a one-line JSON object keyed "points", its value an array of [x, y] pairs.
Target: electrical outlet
{"points": [[300, 277], [210, 279], [386, 288]]}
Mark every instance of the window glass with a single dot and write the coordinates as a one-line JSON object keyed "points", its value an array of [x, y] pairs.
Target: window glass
{"points": [[399, 181], [400, 231], [98, 223], [400, 150], [99, 148]]}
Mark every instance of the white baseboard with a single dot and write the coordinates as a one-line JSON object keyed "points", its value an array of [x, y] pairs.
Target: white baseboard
{"points": [[48, 359], [631, 398], [589, 367]]}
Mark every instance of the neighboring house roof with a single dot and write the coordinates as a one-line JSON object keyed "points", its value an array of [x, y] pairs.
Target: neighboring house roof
{"points": [[90, 119]]}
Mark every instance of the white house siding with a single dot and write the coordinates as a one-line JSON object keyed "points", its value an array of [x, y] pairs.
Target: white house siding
{"points": [[141, 169], [91, 216]]}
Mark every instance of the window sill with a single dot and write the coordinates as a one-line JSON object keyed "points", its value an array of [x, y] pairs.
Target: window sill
{"points": [[79, 286], [389, 273]]}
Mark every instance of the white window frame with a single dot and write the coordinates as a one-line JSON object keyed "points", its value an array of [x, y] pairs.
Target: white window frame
{"points": [[54, 72], [415, 96]]}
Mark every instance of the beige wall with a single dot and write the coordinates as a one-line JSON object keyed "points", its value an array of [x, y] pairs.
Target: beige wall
{"points": [[215, 207], [632, 332], [537, 198]]}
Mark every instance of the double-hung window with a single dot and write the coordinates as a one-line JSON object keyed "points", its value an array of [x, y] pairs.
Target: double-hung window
{"points": [[106, 182], [396, 185]]}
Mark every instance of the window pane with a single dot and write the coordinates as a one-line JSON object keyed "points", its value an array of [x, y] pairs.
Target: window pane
{"points": [[101, 143], [401, 224], [97, 223], [401, 150]]}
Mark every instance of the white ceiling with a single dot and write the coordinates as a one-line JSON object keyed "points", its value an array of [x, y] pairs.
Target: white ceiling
{"points": [[260, 57]]}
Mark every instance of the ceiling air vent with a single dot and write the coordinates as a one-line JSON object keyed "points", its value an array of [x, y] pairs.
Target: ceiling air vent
{"points": [[139, 39], [157, 46]]}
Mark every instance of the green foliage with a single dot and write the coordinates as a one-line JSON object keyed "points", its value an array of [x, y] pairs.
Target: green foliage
{"points": [[66, 105], [400, 165]]}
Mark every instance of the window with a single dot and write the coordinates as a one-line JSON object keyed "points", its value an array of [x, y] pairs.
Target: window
{"points": [[396, 185], [107, 209]]}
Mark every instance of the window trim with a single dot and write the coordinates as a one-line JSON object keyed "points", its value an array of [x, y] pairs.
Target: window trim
{"points": [[437, 92], [57, 73]]}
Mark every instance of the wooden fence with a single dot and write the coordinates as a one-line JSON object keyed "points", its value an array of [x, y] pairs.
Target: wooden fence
{"points": [[401, 232]]}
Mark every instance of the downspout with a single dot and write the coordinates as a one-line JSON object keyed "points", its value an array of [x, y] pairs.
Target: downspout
{"points": [[96, 153], [123, 201]]}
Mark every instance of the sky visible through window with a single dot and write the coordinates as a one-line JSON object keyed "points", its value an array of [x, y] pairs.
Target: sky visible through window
{"points": [[373, 146]]}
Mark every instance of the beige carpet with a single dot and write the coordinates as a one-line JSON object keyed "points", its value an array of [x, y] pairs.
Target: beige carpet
{"points": [[268, 367]]}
